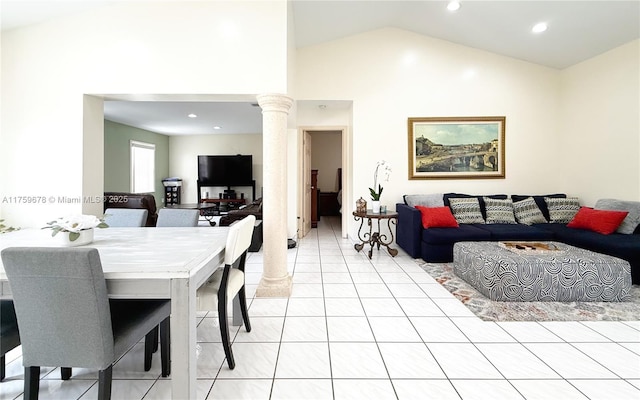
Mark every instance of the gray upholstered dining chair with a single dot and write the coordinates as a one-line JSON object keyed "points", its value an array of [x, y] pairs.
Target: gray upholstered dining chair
{"points": [[66, 318], [177, 217], [9, 334], [125, 217], [10, 337], [228, 281]]}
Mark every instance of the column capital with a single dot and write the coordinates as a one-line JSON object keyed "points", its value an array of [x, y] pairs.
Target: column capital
{"points": [[274, 102]]}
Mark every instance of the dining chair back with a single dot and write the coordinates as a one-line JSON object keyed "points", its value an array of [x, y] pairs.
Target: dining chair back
{"points": [[227, 282], [239, 239], [125, 217], [66, 318], [177, 217], [9, 334]]}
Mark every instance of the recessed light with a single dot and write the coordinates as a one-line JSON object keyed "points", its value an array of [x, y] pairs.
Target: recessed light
{"points": [[217, 127], [469, 73], [539, 27], [453, 6], [192, 115]]}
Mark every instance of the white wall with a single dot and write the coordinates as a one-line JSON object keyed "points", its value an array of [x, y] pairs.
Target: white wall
{"points": [[183, 160], [575, 131], [131, 48], [391, 75], [292, 184], [600, 120]]}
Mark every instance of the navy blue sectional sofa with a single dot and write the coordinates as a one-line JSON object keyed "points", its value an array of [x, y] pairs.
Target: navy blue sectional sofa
{"points": [[436, 244]]}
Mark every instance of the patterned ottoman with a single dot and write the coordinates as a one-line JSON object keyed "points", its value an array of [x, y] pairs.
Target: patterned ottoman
{"points": [[566, 274]]}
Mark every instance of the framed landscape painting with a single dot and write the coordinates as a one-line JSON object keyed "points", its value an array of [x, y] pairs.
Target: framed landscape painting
{"points": [[456, 148]]}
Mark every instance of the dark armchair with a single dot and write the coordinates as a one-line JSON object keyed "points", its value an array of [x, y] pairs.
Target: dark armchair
{"points": [[133, 200]]}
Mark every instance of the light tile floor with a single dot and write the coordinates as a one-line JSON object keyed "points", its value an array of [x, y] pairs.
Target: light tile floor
{"points": [[356, 328]]}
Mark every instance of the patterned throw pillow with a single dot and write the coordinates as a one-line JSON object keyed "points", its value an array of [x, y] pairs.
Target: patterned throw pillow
{"points": [[539, 199], [562, 210], [499, 211], [527, 212], [466, 210]]}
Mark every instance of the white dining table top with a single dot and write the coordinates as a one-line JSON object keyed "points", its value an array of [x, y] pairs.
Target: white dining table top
{"points": [[133, 253], [150, 262]]}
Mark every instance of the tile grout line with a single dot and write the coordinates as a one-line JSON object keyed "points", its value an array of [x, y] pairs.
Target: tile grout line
{"points": [[326, 322]]}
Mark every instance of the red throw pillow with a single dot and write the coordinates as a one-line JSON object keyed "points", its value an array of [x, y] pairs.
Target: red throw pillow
{"points": [[601, 221], [437, 217]]}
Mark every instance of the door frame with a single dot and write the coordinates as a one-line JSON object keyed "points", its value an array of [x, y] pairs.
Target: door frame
{"points": [[346, 174]]}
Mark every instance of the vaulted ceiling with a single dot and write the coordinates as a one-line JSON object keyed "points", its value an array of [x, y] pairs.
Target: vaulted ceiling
{"points": [[577, 30]]}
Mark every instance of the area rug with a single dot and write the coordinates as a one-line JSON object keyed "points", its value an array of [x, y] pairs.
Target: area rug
{"points": [[490, 310]]}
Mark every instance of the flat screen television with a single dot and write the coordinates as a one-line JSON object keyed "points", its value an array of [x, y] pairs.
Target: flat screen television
{"points": [[225, 170]]}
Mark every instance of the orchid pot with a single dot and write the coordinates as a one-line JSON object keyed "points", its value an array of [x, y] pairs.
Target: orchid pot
{"points": [[84, 237], [75, 230]]}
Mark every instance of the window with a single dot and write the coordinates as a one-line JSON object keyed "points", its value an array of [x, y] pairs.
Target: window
{"points": [[142, 167]]}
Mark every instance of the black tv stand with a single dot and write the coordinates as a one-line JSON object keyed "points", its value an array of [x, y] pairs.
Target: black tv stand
{"points": [[252, 185], [230, 194]]}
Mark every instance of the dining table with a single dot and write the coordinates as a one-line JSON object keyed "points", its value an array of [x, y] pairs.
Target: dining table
{"points": [[150, 263]]}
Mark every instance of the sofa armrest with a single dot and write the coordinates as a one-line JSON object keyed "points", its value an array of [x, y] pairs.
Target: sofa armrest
{"points": [[409, 229]]}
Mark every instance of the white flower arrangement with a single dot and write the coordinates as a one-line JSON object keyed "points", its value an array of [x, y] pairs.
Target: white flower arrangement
{"points": [[386, 171], [73, 224], [5, 229]]}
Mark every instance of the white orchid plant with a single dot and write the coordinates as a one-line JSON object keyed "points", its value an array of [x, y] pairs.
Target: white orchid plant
{"points": [[74, 224], [5, 229], [383, 168]]}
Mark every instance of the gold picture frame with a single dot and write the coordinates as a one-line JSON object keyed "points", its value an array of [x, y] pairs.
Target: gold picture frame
{"points": [[457, 147]]}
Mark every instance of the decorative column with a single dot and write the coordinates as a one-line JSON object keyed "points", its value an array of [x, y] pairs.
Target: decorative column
{"points": [[276, 281]]}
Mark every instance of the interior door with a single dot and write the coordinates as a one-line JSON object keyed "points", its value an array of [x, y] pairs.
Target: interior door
{"points": [[306, 166]]}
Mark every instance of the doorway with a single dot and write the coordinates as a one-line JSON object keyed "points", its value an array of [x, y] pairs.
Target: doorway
{"points": [[322, 149]]}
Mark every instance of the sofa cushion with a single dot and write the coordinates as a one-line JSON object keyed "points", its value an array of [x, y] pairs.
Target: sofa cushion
{"points": [[562, 210], [616, 244], [480, 198], [437, 217], [632, 220], [527, 212], [515, 232], [539, 199], [466, 210], [499, 211], [425, 200], [601, 221], [451, 235]]}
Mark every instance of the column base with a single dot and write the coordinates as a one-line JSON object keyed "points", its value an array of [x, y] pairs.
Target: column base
{"points": [[280, 287]]}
